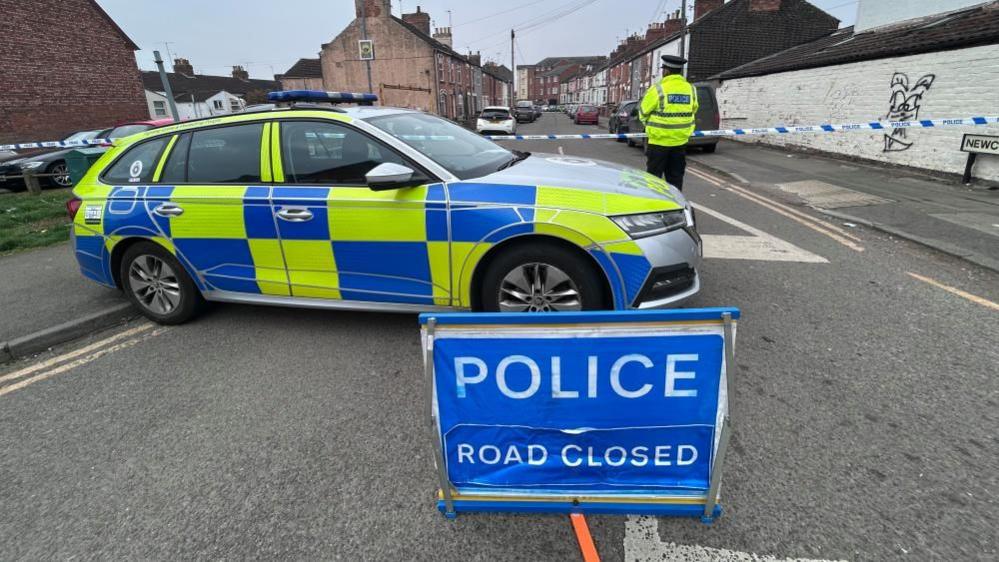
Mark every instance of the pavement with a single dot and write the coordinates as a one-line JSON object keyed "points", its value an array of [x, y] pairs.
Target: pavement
{"points": [[864, 414], [942, 214], [46, 301]]}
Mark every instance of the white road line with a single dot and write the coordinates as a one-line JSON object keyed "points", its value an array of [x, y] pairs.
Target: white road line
{"points": [[760, 246], [79, 362], [75, 353], [642, 542]]}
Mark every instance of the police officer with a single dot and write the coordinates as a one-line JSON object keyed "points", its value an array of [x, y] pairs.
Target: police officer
{"points": [[668, 110]]}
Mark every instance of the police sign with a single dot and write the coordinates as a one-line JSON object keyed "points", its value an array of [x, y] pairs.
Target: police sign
{"points": [[593, 412]]}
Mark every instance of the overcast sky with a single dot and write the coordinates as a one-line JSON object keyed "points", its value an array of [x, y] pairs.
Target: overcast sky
{"points": [[267, 37]]}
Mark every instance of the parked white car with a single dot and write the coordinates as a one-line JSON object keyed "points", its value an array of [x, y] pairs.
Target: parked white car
{"points": [[496, 120]]}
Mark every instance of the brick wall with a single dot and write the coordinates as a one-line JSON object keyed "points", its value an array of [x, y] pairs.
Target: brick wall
{"points": [[64, 68], [401, 59], [964, 84]]}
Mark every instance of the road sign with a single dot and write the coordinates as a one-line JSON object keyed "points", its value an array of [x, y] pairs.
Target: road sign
{"points": [[590, 412], [975, 145], [982, 144]]}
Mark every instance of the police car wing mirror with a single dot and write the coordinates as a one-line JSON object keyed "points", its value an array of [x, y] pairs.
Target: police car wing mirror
{"points": [[389, 175]]}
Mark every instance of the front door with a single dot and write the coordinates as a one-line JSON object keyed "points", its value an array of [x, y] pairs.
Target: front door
{"points": [[344, 241]]}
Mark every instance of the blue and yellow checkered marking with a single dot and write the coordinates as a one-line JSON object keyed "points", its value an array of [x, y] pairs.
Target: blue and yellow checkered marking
{"points": [[392, 246]]}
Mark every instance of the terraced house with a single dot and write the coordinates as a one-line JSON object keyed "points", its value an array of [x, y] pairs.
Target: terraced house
{"points": [[407, 65]]}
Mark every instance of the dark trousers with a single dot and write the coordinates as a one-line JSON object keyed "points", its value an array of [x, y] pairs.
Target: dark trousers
{"points": [[667, 162]]}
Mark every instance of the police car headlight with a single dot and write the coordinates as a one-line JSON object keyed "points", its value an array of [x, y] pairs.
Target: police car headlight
{"points": [[650, 224], [31, 165]]}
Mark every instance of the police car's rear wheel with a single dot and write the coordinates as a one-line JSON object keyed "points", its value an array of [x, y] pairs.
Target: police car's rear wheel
{"points": [[158, 285], [540, 278]]}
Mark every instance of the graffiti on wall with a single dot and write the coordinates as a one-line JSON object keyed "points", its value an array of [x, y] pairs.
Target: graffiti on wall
{"points": [[904, 104]]}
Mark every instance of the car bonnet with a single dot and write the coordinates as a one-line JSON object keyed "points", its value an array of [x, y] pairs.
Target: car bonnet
{"points": [[574, 172]]}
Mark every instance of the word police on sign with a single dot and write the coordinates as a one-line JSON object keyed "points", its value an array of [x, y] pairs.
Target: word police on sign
{"points": [[593, 412], [975, 145]]}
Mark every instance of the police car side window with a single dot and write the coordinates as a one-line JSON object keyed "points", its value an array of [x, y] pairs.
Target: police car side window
{"points": [[225, 155], [137, 164], [315, 152], [175, 169]]}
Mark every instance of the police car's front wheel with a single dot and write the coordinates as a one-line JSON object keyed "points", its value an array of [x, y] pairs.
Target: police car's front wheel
{"points": [[541, 278], [158, 285]]}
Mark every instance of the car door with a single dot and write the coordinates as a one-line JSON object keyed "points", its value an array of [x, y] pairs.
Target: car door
{"points": [[219, 212], [341, 240]]}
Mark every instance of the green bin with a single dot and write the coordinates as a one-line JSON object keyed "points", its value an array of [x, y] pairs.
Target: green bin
{"points": [[80, 160]]}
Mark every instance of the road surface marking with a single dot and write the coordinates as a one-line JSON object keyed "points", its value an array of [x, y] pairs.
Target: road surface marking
{"points": [[741, 190], [76, 353], [79, 362], [839, 235], [642, 542], [761, 246], [583, 537], [953, 290]]}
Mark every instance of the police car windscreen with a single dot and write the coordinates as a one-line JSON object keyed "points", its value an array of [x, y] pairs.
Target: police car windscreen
{"points": [[462, 152]]}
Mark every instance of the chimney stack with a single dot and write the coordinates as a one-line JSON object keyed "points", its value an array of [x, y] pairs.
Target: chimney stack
{"points": [[443, 34], [183, 66], [240, 73], [476, 59], [702, 7], [373, 8], [764, 5], [418, 19]]}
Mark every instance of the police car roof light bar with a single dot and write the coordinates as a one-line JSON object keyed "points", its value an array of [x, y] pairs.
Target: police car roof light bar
{"points": [[288, 96]]}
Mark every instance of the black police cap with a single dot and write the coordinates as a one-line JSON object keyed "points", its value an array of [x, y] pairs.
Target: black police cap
{"points": [[672, 61]]}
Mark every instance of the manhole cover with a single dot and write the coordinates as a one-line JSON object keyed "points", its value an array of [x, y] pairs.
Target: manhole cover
{"points": [[828, 196]]}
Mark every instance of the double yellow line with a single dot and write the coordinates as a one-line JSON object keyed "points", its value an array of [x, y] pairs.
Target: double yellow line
{"points": [[845, 238], [838, 234], [76, 358]]}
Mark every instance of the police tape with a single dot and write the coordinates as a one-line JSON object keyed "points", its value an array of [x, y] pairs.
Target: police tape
{"points": [[827, 128], [56, 144]]}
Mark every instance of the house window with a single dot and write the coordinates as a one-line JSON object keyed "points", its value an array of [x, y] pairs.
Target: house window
{"points": [[217, 104], [235, 106], [159, 108]]}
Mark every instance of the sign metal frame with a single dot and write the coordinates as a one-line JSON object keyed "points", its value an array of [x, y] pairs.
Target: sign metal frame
{"points": [[450, 502]]}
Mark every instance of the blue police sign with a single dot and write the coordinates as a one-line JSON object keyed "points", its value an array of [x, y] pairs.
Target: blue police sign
{"points": [[599, 412]]}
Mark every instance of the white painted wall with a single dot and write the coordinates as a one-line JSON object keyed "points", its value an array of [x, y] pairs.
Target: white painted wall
{"points": [[964, 84], [876, 13]]}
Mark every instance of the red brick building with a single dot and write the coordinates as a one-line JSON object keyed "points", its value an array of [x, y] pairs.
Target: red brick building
{"points": [[64, 66], [411, 66]]}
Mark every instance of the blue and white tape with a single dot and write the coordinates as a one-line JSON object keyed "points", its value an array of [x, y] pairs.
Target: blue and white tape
{"points": [[827, 128], [56, 144]]}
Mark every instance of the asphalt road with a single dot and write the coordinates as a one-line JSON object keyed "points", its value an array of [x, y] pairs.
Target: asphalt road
{"points": [[865, 420]]}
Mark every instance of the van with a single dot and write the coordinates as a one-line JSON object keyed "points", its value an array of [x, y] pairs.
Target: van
{"points": [[708, 118]]}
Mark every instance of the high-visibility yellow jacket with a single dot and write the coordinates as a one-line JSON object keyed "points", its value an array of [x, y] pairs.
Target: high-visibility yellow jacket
{"points": [[668, 111]]}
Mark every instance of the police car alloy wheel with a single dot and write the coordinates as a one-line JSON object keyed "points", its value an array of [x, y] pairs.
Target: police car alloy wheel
{"points": [[158, 285], [538, 287], [541, 277]]}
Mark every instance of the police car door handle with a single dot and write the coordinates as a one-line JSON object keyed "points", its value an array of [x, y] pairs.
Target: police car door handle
{"points": [[294, 214], [168, 210]]}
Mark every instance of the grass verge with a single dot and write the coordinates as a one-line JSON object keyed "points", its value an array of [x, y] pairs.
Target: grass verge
{"points": [[32, 221]]}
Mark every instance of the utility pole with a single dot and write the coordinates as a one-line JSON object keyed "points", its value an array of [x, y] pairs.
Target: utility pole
{"points": [[683, 34], [166, 86], [364, 35], [513, 73]]}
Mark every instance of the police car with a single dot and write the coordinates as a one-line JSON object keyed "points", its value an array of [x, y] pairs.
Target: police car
{"points": [[310, 203]]}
